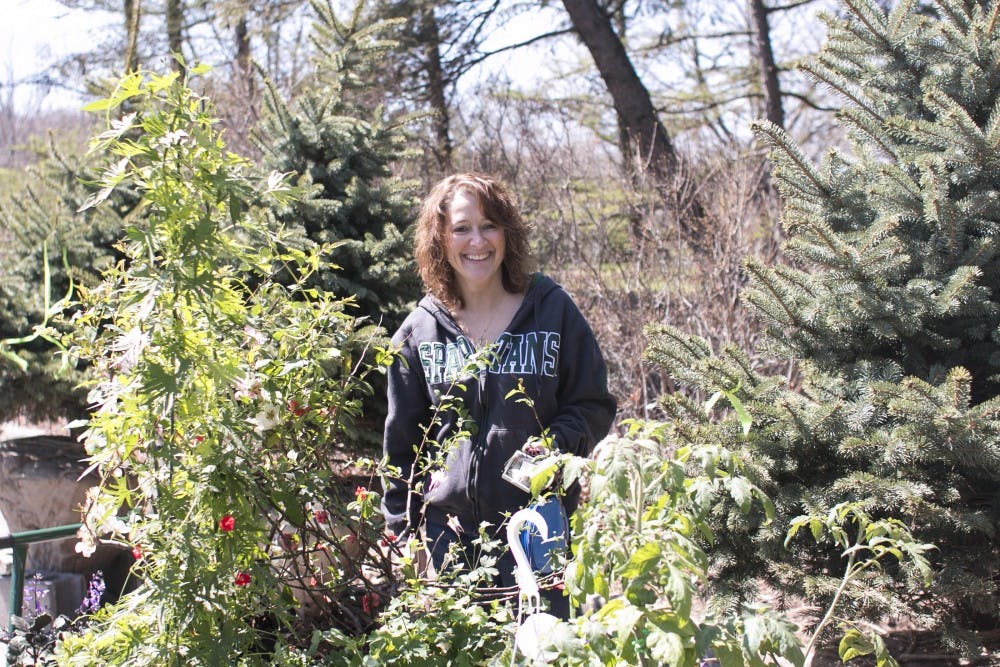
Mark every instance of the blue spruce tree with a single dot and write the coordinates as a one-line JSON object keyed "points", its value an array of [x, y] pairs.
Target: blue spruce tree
{"points": [[341, 143], [890, 308]]}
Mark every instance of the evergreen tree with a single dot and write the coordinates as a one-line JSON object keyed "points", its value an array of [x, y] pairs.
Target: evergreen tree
{"points": [[38, 215], [341, 145], [890, 306]]}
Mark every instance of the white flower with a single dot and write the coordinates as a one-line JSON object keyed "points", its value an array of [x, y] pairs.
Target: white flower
{"points": [[173, 137], [248, 387], [85, 548], [87, 545], [266, 419]]}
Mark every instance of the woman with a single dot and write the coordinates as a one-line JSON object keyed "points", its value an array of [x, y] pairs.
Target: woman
{"points": [[472, 254]]}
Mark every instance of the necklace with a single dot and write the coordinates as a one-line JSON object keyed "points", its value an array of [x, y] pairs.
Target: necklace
{"points": [[483, 328]]}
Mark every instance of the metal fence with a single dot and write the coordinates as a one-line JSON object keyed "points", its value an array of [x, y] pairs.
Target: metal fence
{"points": [[20, 542]]}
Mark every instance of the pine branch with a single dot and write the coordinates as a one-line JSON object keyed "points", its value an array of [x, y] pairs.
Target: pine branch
{"points": [[898, 15], [828, 77], [778, 140], [994, 15]]}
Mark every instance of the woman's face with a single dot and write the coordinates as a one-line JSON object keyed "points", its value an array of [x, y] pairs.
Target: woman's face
{"points": [[474, 244]]}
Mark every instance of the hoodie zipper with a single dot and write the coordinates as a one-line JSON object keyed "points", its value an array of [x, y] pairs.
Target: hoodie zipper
{"points": [[479, 446]]}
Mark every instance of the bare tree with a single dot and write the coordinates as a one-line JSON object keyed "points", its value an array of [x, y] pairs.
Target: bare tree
{"points": [[773, 109], [133, 10], [644, 136], [437, 85], [175, 33]]}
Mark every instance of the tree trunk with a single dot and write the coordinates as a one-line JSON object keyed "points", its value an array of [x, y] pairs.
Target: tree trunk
{"points": [[133, 8], [244, 65], [648, 140], [765, 58], [175, 37], [436, 84]]}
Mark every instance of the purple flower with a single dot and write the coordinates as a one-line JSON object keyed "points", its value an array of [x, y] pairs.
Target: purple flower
{"points": [[95, 591]]}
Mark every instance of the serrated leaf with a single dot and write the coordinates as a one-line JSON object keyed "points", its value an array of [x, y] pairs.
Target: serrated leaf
{"points": [[642, 560], [667, 648]]}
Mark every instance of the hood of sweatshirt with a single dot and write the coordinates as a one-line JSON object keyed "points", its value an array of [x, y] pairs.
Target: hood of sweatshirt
{"points": [[540, 287], [545, 373]]}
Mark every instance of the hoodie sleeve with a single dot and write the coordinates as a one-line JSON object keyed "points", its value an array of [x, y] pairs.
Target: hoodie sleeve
{"points": [[586, 409], [408, 405]]}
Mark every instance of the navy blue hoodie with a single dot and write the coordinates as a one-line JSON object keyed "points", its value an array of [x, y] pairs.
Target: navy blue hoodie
{"points": [[549, 346]]}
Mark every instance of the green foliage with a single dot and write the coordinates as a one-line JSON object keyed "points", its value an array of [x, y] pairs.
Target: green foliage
{"points": [[865, 553], [339, 145], [639, 544], [221, 400], [340, 150], [40, 215], [445, 622], [890, 310], [41, 330]]}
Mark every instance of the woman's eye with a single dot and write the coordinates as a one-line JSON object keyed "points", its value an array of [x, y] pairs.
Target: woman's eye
{"points": [[460, 229]]}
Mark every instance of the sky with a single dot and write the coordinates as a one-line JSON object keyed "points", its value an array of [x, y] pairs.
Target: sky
{"points": [[35, 33]]}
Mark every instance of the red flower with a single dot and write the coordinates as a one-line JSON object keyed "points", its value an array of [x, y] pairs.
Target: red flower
{"points": [[389, 538], [288, 540], [199, 439], [227, 523], [137, 552], [242, 579], [296, 409], [360, 493], [370, 602], [321, 516]]}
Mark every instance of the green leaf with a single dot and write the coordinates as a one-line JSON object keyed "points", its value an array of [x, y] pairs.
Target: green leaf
{"points": [[288, 502], [854, 644], [667, 648], [742, 493], [742, 416], [642, 561]]}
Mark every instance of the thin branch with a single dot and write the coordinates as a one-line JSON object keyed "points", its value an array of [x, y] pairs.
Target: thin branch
{"points": [[467, 65], [792, 5]]}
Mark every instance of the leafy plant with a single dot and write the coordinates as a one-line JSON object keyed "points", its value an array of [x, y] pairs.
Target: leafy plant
{"points": [[49, 310], [220, 398], [866, 552]]}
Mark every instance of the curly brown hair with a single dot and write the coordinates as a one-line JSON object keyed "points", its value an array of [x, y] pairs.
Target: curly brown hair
{"points": [[499, 206]]}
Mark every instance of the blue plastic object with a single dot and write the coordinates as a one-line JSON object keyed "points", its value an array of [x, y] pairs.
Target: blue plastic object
{"points": [[539, 551]]}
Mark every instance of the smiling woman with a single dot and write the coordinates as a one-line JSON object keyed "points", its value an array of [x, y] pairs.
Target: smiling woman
{"points": [[489, 329]]}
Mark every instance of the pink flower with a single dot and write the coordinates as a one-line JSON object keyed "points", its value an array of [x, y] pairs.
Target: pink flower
{"points": [[360, 493], [137, 552], [321, 516], [242, 579], [227, 523]]}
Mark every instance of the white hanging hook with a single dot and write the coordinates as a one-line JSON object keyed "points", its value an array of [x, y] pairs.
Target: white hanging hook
{"points": [[534, 626], [524, 575]]}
